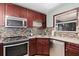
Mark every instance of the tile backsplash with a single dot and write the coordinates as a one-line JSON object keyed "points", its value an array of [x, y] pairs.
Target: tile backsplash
{"points": [[67, 34], [10, 32]]}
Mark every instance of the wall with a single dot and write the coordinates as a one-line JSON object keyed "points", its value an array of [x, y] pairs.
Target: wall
{"points": [[58, 47], [10, 32], [59, 9]]}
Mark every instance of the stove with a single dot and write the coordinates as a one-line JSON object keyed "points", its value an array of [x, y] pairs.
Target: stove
{"points": [[15, 39], [15, 46]]}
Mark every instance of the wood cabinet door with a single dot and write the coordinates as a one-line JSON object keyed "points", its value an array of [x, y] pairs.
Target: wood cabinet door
{"points": [[42, 46], [42, 18], [37, 16], [39, 46], [45, 46], [32, 47], [72, 52], [29, 23], [23, 12], [43, 21], [12, 10], [30, 18], [71, 49], [2, 14], [1, 49]]}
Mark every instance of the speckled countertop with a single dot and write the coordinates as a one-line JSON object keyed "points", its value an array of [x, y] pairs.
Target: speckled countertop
{"points": [[1, 40], [63, 39]]}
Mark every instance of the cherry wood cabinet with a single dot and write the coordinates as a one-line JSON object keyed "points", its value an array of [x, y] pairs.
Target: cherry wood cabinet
{"points": [[38, 16], [32, 46], [1, 49], [41, 17], [23, 12], [71, 49], [43, 21], [12, 10], [30, 17], [2, 14], [39, 46], [33, 15], [42, 46]]}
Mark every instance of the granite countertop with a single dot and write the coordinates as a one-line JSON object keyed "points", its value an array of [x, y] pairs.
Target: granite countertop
{"points": [[66, 39], [63, 39]]}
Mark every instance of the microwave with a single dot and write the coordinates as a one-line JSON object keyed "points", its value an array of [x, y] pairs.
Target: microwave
{"points": [[11, 21]]}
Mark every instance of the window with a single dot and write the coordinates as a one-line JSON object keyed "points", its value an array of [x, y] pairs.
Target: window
{"points": [[66, 21], [66, 26]]}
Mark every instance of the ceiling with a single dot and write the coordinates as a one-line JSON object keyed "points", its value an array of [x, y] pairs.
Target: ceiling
{"points": [[40, 7]]}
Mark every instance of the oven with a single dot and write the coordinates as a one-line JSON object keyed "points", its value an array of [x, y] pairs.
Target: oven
{"points": [[16, 48]]}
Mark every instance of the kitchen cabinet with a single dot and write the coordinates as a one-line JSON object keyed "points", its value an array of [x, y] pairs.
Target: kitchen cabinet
{"points": [[32, 46], [35, 16], [2, 14], [43, 21], [23, 12], [39, 46], [42, 46], [12, 10], [17, 11], [30, 17], [71, 49], [38, 16], [41, 17], [1, 49]]}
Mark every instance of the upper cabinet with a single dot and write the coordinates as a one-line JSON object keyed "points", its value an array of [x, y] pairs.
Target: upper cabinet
{"points": [[2, 12], [23, 12], [66, 21], [32, 17], [39, 20], [38, 16], [12, 10], [43, 21], [36, 19], [17, 11]]}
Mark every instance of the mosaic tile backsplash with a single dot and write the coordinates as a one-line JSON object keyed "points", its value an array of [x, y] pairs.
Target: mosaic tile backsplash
{"points": [[10, 32], [67, 34]]}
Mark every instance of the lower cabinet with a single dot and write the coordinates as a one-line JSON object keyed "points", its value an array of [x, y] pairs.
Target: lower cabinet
{"points": [[32, 46], [71, 49], [42, 46], [39, 46], [1, 49]]}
